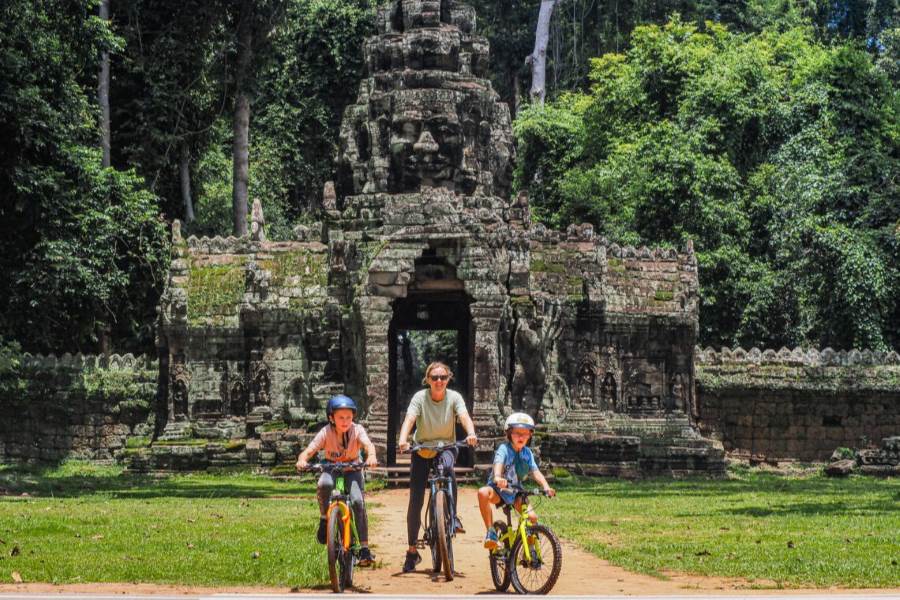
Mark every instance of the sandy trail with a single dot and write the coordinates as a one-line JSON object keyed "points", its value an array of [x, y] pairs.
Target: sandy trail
{"points": [[582, 573]]}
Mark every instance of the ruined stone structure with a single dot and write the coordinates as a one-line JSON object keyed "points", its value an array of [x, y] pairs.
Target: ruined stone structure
{"points": [[419, 232], [74, 406], [797, 404]]}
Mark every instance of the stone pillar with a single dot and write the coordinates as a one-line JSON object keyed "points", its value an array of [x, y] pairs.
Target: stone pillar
{"points": [[376, 313]]}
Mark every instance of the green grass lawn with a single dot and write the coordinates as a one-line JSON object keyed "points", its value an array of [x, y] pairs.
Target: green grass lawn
{"points": [[80, 523], [794, 531]]}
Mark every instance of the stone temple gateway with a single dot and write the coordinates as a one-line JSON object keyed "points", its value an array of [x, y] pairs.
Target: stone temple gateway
{"points": [[419, 231]]}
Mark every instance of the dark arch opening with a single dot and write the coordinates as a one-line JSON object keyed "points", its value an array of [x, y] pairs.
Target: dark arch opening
{"points": [[439, 326]]}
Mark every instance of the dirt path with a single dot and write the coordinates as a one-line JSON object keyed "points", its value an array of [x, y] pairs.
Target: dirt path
{"points": [[582, 573]]}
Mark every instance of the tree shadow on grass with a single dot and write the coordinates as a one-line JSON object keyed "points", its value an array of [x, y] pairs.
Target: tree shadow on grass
{"points": [[757, 484], [16, 481], [811, 509]]}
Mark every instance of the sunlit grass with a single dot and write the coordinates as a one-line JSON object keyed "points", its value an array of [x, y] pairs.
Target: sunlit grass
{"points": [[87, 523], [774, 530], [84, 523]]}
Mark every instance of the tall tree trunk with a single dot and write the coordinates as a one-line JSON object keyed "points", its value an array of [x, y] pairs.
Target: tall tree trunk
{"points": [[103, 92], [538, 58], [241, 125], [184, 171], [517, 98]]}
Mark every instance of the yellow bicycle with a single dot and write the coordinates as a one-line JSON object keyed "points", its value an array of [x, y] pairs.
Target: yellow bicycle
{"points": [[529, 555]]}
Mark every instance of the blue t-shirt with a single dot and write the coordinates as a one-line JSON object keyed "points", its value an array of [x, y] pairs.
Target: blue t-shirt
{"points": [[516, 465]]}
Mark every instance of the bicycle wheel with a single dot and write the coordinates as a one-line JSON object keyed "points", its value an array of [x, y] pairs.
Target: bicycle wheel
{"points": [[349, 561], [538, 575], [498, 559], [337, 565], [442, 525]]}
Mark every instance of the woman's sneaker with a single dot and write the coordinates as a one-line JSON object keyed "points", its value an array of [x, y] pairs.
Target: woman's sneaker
{"points": [[491, 541], [366, 558], [412, 559]]}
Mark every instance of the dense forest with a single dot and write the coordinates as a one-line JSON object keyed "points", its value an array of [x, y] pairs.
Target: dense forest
{"points": [[766, 131]]}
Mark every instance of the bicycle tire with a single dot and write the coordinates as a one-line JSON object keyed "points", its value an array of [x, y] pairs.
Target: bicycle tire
{"points": [[336, 559], [539, 576], [442, 525], [499, 568], [349, 560]]}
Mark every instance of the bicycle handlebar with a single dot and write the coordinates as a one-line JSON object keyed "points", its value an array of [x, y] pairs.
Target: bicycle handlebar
{"points": [[331, 467], [518, 489], [438, 446]]}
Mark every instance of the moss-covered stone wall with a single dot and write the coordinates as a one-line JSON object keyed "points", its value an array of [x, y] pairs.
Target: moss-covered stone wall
{"points": [[90, 407], [799, 404]]}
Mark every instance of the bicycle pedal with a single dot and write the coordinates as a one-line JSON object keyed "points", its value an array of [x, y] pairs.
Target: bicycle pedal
{"points": [[420, 544]]}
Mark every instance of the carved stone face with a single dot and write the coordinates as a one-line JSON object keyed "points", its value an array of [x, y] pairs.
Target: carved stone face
{"points": [[425, 147]]}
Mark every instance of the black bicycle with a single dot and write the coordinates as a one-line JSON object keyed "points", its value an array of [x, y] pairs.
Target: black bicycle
{"points": [[440, 516]]}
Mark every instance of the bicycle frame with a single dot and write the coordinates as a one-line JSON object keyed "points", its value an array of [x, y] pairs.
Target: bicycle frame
{"points": [[340, 501], [521, 529], [437, 479]]}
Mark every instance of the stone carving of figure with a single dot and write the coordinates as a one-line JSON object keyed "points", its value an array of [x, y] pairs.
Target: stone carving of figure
{"points": [[261, 385], [329, 196], [608, 392], [238, 398], [425, 151], [534, 385], [257, 222], [587, 377], [179, 380], [676, 393]]}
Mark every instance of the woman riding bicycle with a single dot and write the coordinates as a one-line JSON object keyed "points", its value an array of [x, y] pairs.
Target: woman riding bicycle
{"points": [[433, 411]]}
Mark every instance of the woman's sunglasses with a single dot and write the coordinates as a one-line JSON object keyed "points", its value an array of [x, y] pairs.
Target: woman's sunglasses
{"points": [[439, 377]]}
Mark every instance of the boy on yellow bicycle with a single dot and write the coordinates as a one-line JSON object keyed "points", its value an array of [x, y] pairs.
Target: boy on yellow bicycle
{"points": [[341, 441], [513, 461]]}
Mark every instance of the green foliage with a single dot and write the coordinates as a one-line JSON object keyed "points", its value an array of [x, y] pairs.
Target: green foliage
{"points": [[776, 154], [845, 453], [137, 441], [314, 72], [113, 385], [81, 247]]}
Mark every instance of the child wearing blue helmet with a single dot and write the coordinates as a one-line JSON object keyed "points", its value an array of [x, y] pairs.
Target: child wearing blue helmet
{"points": [[341, 441]]}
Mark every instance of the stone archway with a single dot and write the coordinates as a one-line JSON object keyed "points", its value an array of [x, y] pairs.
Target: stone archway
{"points": [[447, 312]]}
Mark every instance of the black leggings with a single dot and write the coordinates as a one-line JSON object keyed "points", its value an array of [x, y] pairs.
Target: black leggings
{"points": [[418, 481]]}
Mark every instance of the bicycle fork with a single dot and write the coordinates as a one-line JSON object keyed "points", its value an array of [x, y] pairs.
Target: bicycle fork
{"points": [[527, 547], [348, 524]]}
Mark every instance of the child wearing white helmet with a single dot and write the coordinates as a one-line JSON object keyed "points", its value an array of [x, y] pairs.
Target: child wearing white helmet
{"points": [[513, 461]]}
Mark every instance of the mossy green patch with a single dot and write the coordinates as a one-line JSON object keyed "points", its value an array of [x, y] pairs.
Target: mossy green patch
{"points": [[235, 445], [663, 295], [215, 290], [272, 426], [184, 442], [301, 267], [137, 441], [616, 265], [540, 266]]}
